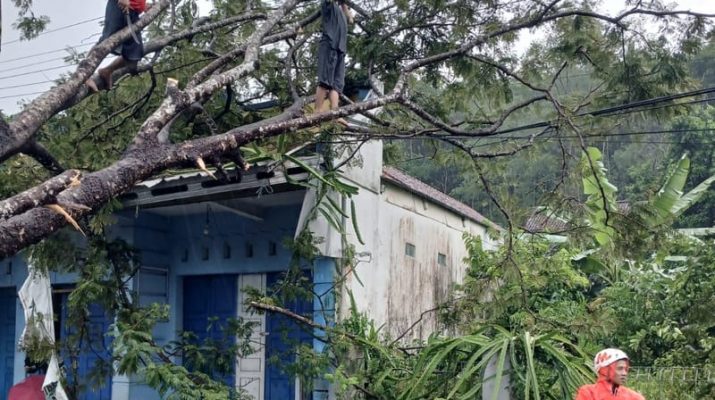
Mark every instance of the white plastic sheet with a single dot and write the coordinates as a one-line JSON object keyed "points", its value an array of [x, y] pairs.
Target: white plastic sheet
{"points": [[36, 298]]}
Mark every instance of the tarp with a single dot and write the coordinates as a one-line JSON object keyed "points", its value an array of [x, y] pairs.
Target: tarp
{"points": [[36, 298]]}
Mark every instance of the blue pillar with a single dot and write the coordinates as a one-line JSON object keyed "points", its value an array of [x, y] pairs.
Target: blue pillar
{"points": [[323, 313]]}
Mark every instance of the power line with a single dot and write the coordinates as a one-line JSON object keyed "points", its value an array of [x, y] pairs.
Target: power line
{"points": [[26, 84], [587, 137], [45, 53], [592, 138], [61, 28], [22, 95], [32, 64], [616, 110], [38, 71]]}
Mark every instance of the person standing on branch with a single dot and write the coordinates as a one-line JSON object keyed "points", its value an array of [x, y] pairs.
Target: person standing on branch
{"points": [[612, 366], [335, 16], [118, 15]]}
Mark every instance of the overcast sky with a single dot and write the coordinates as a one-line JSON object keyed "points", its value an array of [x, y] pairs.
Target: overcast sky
{"points": [[28, 68]]}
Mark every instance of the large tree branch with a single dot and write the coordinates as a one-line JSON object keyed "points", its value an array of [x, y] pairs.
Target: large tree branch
{"points": [[179, 100], [143, 162], [159, 44], [240, 50], [28, 122], [39, 195]]}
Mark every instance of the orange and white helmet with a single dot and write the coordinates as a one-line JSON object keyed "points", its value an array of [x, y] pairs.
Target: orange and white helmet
{"points": [[607, 357]]}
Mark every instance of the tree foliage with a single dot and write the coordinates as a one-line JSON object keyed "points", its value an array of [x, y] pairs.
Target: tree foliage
{"points": [[443, 72]]}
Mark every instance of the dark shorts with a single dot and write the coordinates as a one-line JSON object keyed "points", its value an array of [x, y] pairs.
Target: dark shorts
{"points": [[115, 19], [331, 67]]}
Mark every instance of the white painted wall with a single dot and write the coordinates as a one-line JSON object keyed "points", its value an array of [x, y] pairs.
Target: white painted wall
{"points": [[399, 288]]}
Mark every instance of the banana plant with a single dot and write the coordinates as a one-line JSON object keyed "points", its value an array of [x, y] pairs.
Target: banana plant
{"points": [[516, 357], [601, 196], [670, 201]]}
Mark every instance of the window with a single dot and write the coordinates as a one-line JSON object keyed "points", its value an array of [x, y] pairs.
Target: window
{"points": [[442, 259], [410, 249], [272, 248], [226, 250], [249, 250]]}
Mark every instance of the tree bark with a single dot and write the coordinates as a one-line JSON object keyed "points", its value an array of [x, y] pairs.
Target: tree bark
{"points": [[97, 188], [38, 195]]}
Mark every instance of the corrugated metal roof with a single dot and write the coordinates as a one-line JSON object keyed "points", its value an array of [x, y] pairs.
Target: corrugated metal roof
{"points": [[420, 188], [543, 220]]}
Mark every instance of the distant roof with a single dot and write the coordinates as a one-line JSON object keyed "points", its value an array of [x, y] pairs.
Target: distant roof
{"points": [[426, 191], [545, 220]]}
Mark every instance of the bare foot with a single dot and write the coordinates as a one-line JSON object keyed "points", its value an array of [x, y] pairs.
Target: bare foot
{"points": [[342, 122], [106, 75], [92, 85]]}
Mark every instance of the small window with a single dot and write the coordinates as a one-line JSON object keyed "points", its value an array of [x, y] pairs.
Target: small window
{"points": [[272, 248], [442, 259], [8, 268], [185, 255], [226, 250], [410, 249], [249, 250], [205, 253]]}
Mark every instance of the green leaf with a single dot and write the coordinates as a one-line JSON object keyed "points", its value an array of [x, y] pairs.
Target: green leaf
{"points": [[500, 370], [691, 197], [331, 220], [312, 171], [672, 190], [354, 220]]}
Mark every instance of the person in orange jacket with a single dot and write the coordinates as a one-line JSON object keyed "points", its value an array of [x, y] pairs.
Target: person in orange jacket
{"points": [[612, 366]]}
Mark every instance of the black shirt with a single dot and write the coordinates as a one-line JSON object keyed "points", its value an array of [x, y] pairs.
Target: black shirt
{"points": [[335, 25]]}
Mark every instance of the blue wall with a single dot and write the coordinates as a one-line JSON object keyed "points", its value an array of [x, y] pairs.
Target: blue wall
{"points": [[7, 339], [176, 245], [323, 312]]}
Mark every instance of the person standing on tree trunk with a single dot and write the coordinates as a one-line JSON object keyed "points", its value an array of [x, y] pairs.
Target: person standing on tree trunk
{"points": [[335, 16], [118, 15], [612, 366]]}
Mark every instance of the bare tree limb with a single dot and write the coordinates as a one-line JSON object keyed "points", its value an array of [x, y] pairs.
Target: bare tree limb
{"points": [[240, 50], [42, 156], [142, 162], [157, 45], [38, 195], [419, 111]]}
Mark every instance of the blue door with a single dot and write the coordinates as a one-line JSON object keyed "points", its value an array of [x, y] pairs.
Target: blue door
{"points": [[209, 301], [95, 349], [284, 335], [8, 299]]}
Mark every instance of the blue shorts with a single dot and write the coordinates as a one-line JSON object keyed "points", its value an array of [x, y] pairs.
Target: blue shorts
{"points": [[331, 67], [115, 19]]}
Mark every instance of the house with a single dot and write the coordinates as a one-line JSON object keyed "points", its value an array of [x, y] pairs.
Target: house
{"points": [[202, 242]]}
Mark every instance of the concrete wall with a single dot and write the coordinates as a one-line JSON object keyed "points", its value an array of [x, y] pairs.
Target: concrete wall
{"points": [[399, 289]]}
